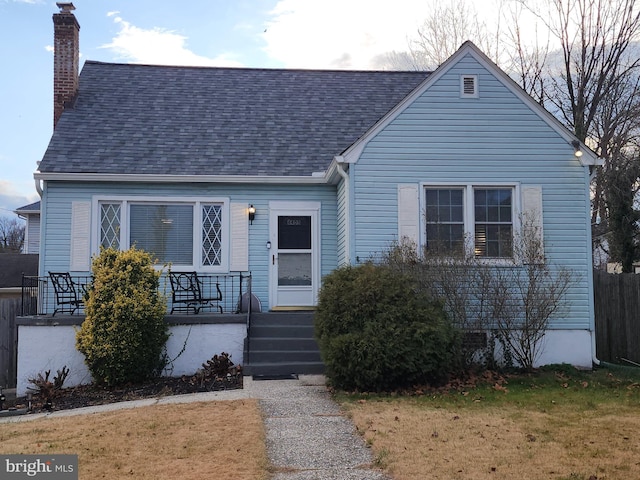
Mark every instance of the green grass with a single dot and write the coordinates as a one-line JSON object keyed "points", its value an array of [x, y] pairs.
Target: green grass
{"points": [[549, 387]]}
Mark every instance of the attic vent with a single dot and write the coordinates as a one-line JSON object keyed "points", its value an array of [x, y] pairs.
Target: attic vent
{"points": [[469, 86]]}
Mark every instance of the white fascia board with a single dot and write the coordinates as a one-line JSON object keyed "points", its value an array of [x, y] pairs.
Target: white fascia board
{"points": [[106, 177], [352, 154], [331, 174]]}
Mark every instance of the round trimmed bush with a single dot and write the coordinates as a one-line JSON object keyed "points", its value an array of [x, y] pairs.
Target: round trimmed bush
{"points": [[378, 332], [124, 332]]}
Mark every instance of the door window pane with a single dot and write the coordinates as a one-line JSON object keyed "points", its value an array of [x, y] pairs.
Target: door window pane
{"points": [[294, 232], [294, 269]]}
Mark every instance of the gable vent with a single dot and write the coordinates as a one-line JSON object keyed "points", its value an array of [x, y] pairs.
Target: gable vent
{"points": [[469, 86]]}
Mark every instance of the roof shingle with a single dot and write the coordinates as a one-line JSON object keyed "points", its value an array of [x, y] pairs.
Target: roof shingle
{"points": [[141, 119]]}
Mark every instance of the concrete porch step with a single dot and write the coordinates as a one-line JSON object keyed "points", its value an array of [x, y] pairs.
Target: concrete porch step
{"points": [[284, 356], [282, 343], [281, 331], [282, 318], [277, 368]]}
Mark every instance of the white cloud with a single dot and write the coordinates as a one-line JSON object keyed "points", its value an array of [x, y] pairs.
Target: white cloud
{"points": [[158, 46], [340, 33], [12, 196]]}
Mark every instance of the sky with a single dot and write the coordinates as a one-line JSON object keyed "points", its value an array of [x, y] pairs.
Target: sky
{"points": [[319, 34]]}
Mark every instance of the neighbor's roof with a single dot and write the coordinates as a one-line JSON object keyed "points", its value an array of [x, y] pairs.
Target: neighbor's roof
{"points": [[166, 120], [31, 208]]}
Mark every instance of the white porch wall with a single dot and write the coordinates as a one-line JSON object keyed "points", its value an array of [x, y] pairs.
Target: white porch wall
{"points": [[42, 348]]}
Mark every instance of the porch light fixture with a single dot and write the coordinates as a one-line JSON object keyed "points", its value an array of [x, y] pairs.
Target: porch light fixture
{"points": [[576, 146], [252, 213]]}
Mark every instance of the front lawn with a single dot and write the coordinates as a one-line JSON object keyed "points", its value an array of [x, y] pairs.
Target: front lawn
{"points": [[555, 424], [187, 441]]}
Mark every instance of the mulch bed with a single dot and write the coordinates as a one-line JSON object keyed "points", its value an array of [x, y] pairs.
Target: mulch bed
{"points": [[89, 395]]}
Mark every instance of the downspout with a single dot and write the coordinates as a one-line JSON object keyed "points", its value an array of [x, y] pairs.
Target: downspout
{"points": [[594, 359], [342, 171], [38, 184]]}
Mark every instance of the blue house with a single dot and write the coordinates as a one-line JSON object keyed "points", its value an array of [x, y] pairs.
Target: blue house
{"points": [[289, 174]]}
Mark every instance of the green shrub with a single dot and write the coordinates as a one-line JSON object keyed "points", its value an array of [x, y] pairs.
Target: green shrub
{"points": [[124, 332], [378, 332]]}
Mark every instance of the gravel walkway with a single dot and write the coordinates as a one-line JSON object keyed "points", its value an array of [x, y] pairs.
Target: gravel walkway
{"points": [[308, 437]]}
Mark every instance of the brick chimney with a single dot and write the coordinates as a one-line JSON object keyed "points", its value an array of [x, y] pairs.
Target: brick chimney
{"points": [[66, 56]]}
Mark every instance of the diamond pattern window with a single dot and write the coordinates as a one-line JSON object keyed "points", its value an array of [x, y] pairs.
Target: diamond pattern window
{"points": [[110, 225], [211, 235]]}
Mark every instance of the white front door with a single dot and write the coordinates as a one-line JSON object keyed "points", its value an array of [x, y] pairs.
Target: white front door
{"points": [[294, 263]]}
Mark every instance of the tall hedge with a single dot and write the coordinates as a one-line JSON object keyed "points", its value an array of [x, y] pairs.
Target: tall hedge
{"points": [[124, 332], [378, 332]]}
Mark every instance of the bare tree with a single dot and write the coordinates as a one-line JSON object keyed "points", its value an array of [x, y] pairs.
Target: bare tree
{"points": [[441, 34], [594, 90], [12, 234], [595, 37], [527, 58], [523, 301]]}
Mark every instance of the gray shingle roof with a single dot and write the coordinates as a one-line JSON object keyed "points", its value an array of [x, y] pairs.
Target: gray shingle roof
{"points": [[31, 208], [141, 119]]}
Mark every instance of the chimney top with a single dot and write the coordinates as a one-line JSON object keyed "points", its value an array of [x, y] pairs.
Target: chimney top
{"points": [[66, 55], [65, 7]]}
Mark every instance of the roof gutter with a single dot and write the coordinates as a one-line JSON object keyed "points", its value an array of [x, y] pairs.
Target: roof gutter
{"points": [[315, 179]]}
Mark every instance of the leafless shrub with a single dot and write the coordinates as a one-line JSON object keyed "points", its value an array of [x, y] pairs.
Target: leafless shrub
{"points": [[511, 300]]}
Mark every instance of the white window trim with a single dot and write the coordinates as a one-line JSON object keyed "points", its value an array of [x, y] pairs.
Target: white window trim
{"points": [[197, 203], [469, 215]]}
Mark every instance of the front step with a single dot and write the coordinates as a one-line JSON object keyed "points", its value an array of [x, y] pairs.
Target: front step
{"points": [[281, 370], [281, 344]]}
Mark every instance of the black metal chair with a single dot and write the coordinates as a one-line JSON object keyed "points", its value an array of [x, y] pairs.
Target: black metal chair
{"points": [[69, 294], [187, 293]]}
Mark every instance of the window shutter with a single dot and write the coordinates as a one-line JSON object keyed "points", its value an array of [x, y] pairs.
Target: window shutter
{"points": [[408, 213], [80, 260], [239, 240], [532, 214]]}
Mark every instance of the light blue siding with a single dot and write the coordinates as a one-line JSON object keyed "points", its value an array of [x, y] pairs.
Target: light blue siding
{"points": [[494, 138], [59, 195]]}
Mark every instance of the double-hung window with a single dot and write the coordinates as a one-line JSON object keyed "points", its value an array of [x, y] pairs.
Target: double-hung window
{"points": [[493, 222], [478, 218], [187, 234], [444, 218]]}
